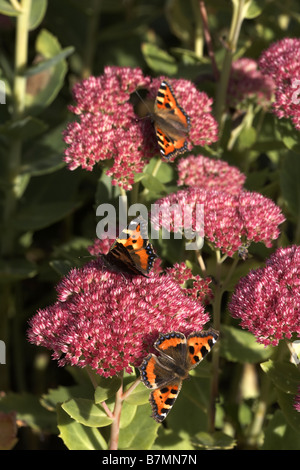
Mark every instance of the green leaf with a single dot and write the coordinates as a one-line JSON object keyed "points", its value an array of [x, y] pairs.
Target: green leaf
{"points": [[284, 375], [46, 64], [169, 439], [279, 435], [29, 411], [158, 59], [24, 128], [287, 133], [61, 394], [86, 412], [178, 14], [216, 441], [286, 378], [46, 154], [141, 432], [286, 402], [127, 414], [48, 47], [165, 172], [107, 388], [240, 346], [192, 401], [37, 13], [47, 200], [247, 137], [290, 182], [76, 436], [139, 396], [253, 10], [153, 184], [38, 216], [16, 269], [7, 9]]}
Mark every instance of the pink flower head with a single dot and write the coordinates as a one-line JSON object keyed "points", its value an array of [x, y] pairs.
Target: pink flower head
{"points": [[109, 129], [267, 300], [109, 321], [248, 84], [101, 246], [281, 62], [199, 288], [209, 173], [230, 220]]}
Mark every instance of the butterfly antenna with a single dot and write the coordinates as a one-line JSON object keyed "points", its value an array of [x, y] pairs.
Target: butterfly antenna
{"points": [[145, 103]]}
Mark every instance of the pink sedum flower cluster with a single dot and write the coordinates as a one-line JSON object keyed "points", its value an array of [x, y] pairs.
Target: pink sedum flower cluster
{"points": [[248, 84], [230, 220], [195, 286], [109, 320], [108, 129], [208, 173], [281, 62], [267, 300]]}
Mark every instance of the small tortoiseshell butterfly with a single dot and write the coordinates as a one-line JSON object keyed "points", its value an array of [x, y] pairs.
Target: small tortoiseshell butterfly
{"points": [[132, 252], [171, 122], [177, 356]]}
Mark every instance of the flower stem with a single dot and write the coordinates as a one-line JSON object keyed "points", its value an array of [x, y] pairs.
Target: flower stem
{"points": [[201, 262], [198, 42], [208, 40], [19, 93], [215, 352], [115, 426], [91, 40], [255, 428], [218, 294], [239, 10]]}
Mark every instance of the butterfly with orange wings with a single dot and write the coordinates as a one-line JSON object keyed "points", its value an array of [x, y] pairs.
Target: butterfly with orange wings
{"points": [[132, 252], [171, 122]]}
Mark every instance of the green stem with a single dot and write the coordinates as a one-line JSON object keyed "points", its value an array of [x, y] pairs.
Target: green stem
{"points": [[19, 93], [239, 11], [198, 41], [91, 40], [115, 426], [201, 262], [215, 352], [217, 304], [255, 428], [229, 275]]}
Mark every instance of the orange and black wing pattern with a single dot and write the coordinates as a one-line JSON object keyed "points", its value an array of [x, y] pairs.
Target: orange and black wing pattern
{"points": [[171, 122], [132, 252]]}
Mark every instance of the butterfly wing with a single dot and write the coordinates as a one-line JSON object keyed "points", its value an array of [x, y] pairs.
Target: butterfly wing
{"points": [[165, 386], [173, 349], [132, 252], [171, 122], [199, 344], [164, 374], [154, 374], [163, 399]]}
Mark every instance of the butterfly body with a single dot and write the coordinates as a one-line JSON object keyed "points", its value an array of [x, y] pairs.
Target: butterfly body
{"points": [[165, 373], [171, 122], [132, 252]]}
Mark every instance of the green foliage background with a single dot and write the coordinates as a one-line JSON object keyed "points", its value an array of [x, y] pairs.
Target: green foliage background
{"points": [[48, 218]]}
